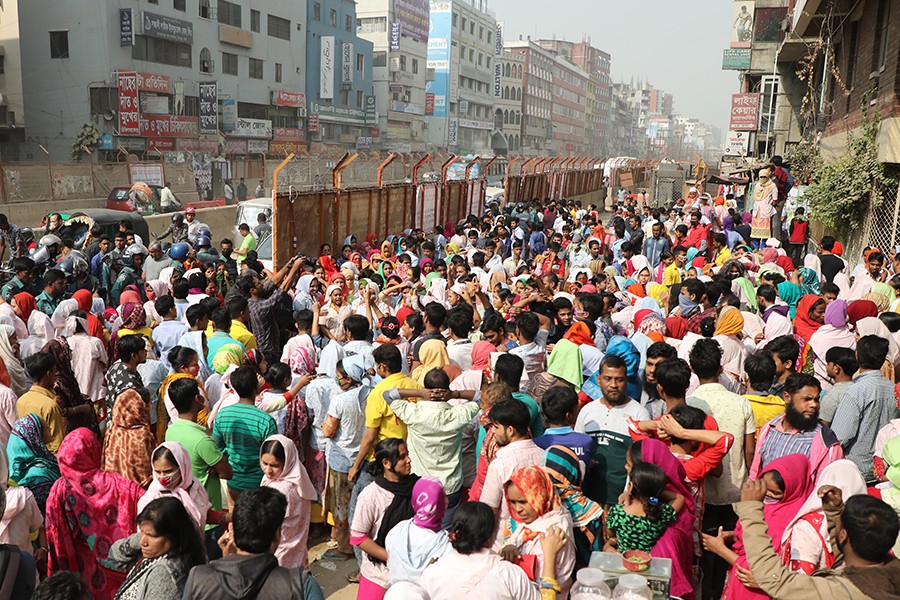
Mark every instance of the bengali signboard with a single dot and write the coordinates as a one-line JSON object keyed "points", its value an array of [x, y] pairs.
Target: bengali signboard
{"points": [[346, 63], [736, 59], [453, 132], [736, 143], [744, 112], [167, 126], [312, 123], [167, 28], [229, 114], [126, 27], [394, 38], [257, 146], [371, 112], [209, 108], [429, 104], [287, 134], [252, 128], [413, 16], [151, 82], [290, 99], [129, 109], [326, 67]]}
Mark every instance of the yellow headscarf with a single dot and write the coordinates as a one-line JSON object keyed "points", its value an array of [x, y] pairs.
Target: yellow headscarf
{"points": [[432, 355], [731, 322], [660, 293]]}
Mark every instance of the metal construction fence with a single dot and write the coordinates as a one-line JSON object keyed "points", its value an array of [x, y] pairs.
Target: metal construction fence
{"points": [[307, 218]]}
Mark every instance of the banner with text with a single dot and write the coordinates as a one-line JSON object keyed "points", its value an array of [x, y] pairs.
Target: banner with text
{"points": [[326, 68], [209, 108], [129, 109]]}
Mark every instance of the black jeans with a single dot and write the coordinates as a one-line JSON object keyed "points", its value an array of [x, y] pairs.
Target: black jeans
{"points": [[714, 568]]}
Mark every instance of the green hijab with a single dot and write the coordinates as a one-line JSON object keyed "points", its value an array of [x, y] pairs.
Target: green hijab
{"points": [[565, 362]]}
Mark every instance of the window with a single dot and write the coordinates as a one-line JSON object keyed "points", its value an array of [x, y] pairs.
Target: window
{"points": [[882, 34], [2, 66], [203, 10], [256, 68], [179, 5], [229, 63], [103, 99], [379, 59], [402, 62], [464, 23], [317, 11], [229, 13], [471, 55], [206, 63], [490, 36], [472, 27], [455, 20], [161, 51], [333, 18], [278, 72], [254, 20], [480, 59], [279, 28], [415, 66], [851, 55], [153, 1], [371, 25], [59, 44], [360, 62], [348, 22], [359, 98], [480, 32], [345, 97]]}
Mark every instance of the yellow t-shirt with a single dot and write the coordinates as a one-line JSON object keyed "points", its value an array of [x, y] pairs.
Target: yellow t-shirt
{"points": [[380, 415], [671, 275], [240, 332], [144, 331], [723, 255], [765, 408], [42, 402]]}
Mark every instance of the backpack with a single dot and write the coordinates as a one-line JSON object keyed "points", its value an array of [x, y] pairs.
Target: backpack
{"points": [[789, 184]]}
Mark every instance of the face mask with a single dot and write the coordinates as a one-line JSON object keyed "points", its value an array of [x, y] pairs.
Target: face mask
{"points": [[194, 370], [686, 304], [770, 500], [164, 481]]}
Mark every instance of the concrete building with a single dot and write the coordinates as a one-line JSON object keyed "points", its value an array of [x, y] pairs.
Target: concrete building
{"points": [[12, 105], [338, 70], [461, 55], [207, 75], [537, 96], [509, 105], [570, 105], [398, 31]]}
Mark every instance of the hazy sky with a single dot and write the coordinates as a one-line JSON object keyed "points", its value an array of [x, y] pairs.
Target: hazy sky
{"points": [[674, 44]]}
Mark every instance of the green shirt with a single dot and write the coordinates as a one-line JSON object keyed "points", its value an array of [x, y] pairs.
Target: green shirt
{"points": [[203, 453], [248, 244], [240, 430]]}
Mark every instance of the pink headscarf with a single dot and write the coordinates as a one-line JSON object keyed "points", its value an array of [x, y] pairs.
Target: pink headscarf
{"points": [[189, 490], [293, 474], [769, 255], [429, 500], [481, 356], [301, 362]]}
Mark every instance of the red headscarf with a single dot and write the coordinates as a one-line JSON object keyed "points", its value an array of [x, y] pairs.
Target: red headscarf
{"points": [[838, 249], [26, 304], [639, 316], [785, 263], [860, 309], [403, 313], [85, 299], [803, 325], [676, 327], [636, 289], [328, 264], [481, 357], [538, 489], [579, 334]]}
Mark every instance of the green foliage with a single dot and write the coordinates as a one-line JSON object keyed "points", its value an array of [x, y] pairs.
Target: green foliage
{"points": [[88, 137], [843, 192]]}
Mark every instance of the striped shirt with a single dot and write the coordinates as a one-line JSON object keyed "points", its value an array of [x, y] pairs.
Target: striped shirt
{"points": [[780, 443], [239, 431]]}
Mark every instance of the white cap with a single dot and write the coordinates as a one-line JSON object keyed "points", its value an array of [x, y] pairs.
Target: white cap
{"points": [[693, 190], [773, 243]]}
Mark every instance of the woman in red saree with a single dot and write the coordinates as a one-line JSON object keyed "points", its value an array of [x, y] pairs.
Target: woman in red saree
{"points": [[88, 509]]}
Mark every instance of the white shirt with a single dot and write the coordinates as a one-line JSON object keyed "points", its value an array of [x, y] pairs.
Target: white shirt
{"points": [[482, 574]]}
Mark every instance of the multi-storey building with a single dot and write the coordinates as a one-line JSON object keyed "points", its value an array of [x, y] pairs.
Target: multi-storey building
{"points": [[338, 76], [12, 105], [398, 30], [537, 96], [461, 54], [570, 104], [155, 77], [509, 104]]}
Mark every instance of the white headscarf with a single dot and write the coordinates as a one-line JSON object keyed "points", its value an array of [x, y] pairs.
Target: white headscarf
{"points": [[18, 380], [62, 312]]}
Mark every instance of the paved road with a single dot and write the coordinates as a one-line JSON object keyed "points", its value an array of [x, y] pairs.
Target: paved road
{"points": [[332, 574]]}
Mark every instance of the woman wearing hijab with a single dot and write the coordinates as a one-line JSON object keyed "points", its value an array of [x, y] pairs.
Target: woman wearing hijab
{"points": [[791, 294], [433, 355], [81, 411], [88, 509], [810, 318], [173, 477], [335, 311], [40, 328], [728, 330], [805, 545], [415, 543], [833, 333], [129, 441], [134, 321], [808, 281], [789, 474], [860, 309], [306, 292], [154, 289], [196, 341], [564, 469], [765, 196], [282, 470], [88, 359], [874, 326], [520, 534], [31, 464], [16, 378], [380, 507], [480, 373], [85, 304]]}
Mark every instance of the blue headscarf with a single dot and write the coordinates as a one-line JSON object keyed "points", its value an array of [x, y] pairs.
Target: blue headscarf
{"points": [[627, 351]]}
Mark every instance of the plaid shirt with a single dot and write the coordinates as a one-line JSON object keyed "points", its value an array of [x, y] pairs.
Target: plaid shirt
{"points": [[693, 323], [780, 443]]}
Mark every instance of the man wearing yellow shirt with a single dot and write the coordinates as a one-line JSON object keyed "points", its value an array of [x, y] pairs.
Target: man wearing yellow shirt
{"points": [[41, 400], [720, 249], [674, 265], [240, 315]]}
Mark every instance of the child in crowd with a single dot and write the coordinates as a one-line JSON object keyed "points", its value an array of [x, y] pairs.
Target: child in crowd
{"points": [[560, 407], [275, 400], [642, 517]]}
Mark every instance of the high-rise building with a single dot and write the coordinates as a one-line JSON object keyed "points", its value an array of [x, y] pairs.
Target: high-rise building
{"points": [[537, 95], [509, 104], [12, 105]]}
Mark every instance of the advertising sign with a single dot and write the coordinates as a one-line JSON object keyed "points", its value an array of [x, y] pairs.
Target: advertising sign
{"points": [[229, 114], [312, 123], [742, 23], [429, 104], [326, 68], [257, 146], [167, 126], [371, 113], [412, 15], [209, 108], [151, 82], [744, 112], [252, 128], [167, 28], [347, 63], [129, 109], [287, 134], [291, 99], [126, 27], [439, 56], [394, 38], [736, 59], [736, 143], [453, 133], [498, 64], [154, 105]]}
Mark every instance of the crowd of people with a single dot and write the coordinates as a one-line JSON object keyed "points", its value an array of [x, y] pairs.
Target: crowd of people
{"points": [[468, 412]]}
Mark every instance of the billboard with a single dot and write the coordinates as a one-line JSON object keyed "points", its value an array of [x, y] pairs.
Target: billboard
{"points": [[744, 112], [742, 23], [412, 16], [209, 108], [129, 109], [439, 56], [394, 44], [736, 143], [167, 28], [326, 68], [346, 62], [498, 64], [736, 59], [126, 27]]}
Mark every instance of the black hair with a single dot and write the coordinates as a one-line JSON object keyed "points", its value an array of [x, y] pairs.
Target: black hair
{"points": [[511, 413], [871, 351], [181, 288], [472, 527], [760, 369], [694, 287], [689, 417], [22, 263], [357, 326], [661, 350], [647, 484], [129, 345], [706, 358], [387, 449], [257, 518], [776, 477], [244, 382], [561, 303], [277, 374], [613, 362], [674, 376], [460, 322], [182, 393], [221, 319], [592, 304], [871, 525], [303, 319], [416, 324], [708, 327], [197, 280], [508, 369], [492, 322], [194, 313], [558, 401], [170, 519], [63, 585], [528, 325], [236, 305], [766, 292], [786, 348], [52, 276], [436, 379], [164, 304], [797, 381], [273, 447], [845, 358], [875, 257], [435, 313], [830, 288], [828, 243], [39, 364], [210, 303], [390, 356], [891, 320]]}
